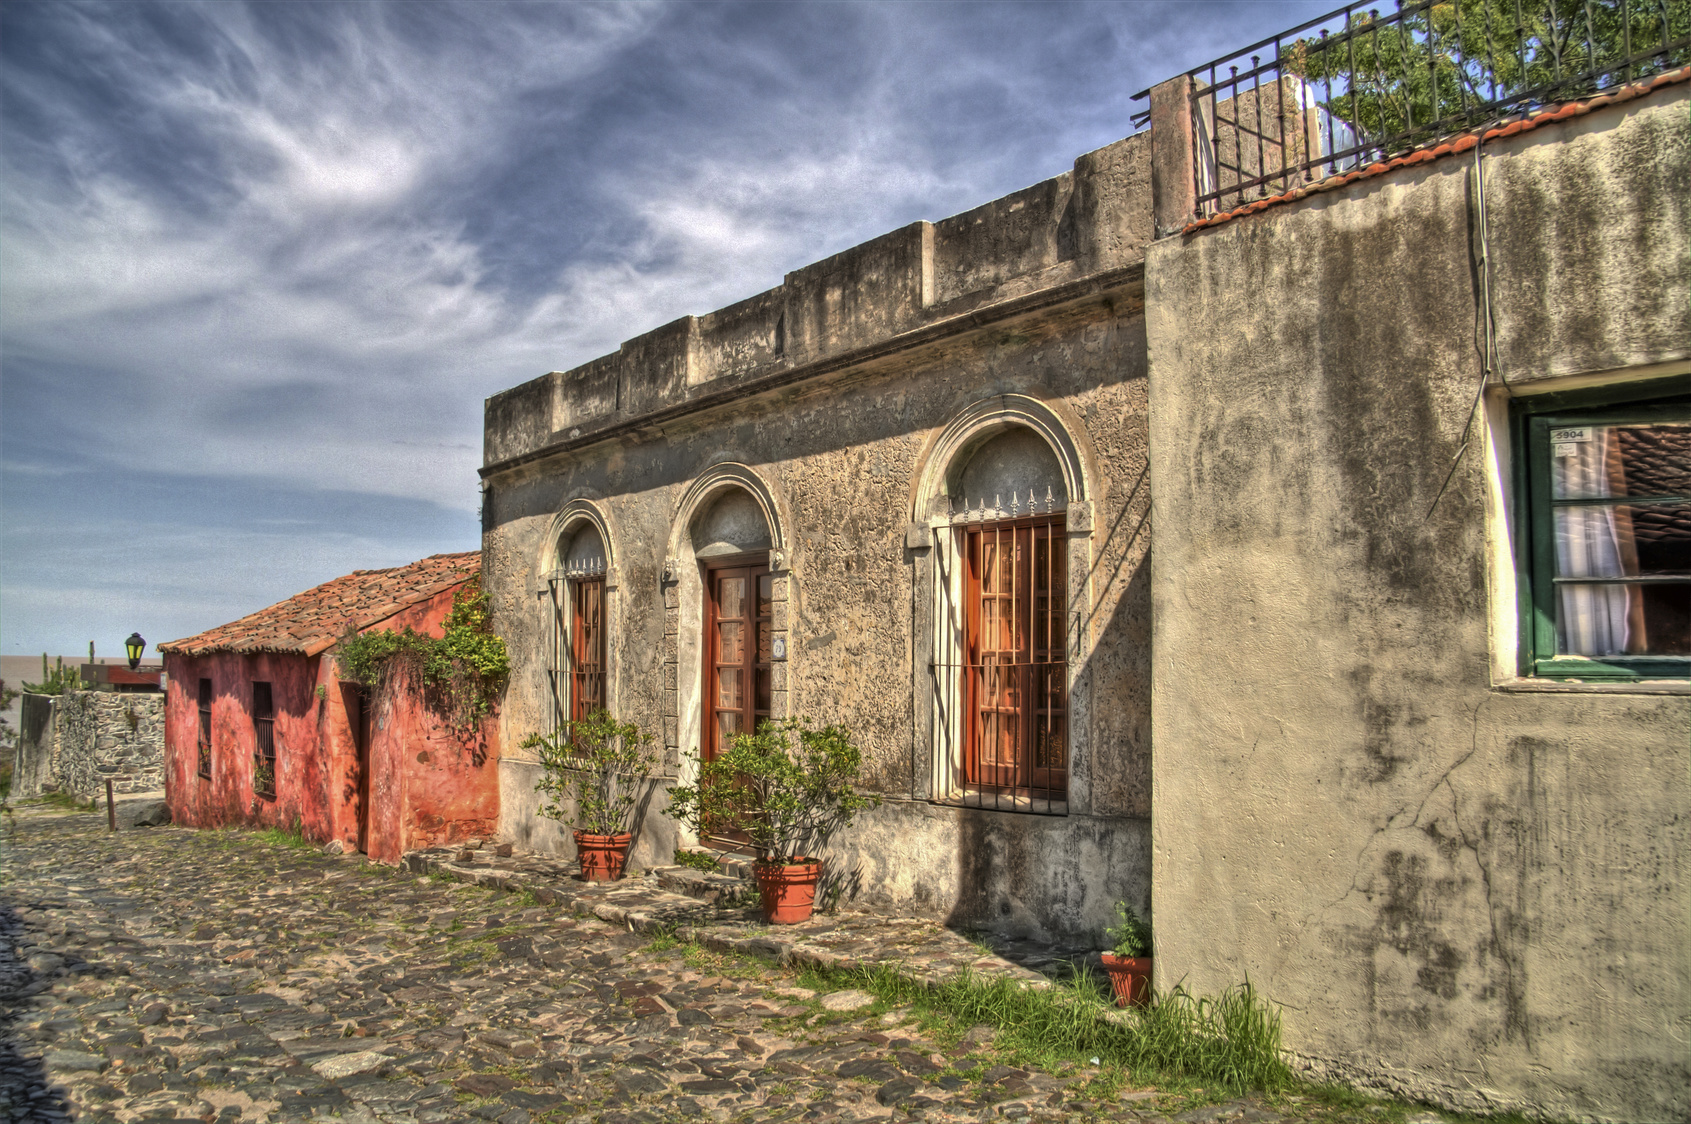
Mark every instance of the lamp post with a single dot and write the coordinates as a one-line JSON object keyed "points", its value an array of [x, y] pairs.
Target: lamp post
{"points": [[134, 646]]}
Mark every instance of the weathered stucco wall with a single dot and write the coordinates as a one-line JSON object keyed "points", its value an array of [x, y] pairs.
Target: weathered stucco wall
{"points": [[429, 784], [32, 762], [1464, 889], [831, 395], [842, 458]]}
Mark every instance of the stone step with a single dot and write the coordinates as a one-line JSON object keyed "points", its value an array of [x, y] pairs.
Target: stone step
{"points": [[731, 883]]}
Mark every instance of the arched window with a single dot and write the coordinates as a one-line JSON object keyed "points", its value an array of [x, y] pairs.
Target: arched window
{"points": [[1007, 602], [1002, 534], [583, 663], [726, 590], [580, 581], [731, 541]]}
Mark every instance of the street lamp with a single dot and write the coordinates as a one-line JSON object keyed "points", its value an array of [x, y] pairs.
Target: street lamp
{"points": [[134, 646]]}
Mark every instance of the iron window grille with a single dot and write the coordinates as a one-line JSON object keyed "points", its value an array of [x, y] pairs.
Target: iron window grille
{"points": [[1354, 86], [1605, 571], [1002, 705], [203, 737], [578, 643], [264, 741]]}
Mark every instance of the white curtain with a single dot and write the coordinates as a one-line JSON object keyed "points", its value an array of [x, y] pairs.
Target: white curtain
{"points": [[1590, 544]]}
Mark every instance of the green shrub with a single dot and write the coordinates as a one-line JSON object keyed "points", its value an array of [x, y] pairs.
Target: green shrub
{"points": [[787, 799], [1131, 936], [461, 672], [58, 679], [599, 764], [698, 860]]}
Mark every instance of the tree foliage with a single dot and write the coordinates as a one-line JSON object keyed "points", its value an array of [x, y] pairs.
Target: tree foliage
{"points": [[1444, 65], [461, 672], [787, 798], [598, 765]]}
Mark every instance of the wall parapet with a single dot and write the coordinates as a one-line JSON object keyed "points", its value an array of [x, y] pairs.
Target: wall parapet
{"points": [[1086, 225]]}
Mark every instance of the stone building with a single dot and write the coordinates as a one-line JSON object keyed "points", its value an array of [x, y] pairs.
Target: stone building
{"points": [[811, 503], [260, 726], [1279, 475]]}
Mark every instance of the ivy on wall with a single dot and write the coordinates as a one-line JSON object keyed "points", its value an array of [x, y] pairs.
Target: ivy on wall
{"points": [[460, 673]]}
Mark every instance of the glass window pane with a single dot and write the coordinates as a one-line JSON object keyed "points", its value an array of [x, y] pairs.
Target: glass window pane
{"points": [[730, 642], [763, 689], [1596, 461], [728, 687], [727, 725], [765, 645], [1624, 620], [731, 597], [1623, 540], [765, 594]]}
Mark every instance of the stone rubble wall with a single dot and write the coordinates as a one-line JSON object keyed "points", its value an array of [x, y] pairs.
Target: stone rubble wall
{"points": [[76, 741]]}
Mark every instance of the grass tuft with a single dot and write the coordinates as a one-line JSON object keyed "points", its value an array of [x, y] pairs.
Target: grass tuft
{"points": [[1230, 1041], [292, 837]]}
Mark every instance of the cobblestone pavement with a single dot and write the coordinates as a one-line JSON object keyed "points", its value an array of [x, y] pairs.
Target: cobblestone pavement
{"points": [[169, 974]]}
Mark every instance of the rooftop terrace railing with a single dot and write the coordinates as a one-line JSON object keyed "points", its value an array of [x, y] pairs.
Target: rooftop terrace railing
{"points": [[1356, 86]]}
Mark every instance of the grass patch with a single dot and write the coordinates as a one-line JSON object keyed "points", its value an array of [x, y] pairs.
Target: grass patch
{"points": [[664, 940], [291, 837], [66, 801], [1229, 1042], [728, 965]]}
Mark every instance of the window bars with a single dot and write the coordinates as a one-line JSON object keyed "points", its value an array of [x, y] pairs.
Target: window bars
{"points": [[1355, 86], [203, 740], [264, 741], [576, 669], [1003, 703]]}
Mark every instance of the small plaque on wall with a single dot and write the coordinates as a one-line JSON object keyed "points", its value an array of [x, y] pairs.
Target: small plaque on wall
{"points": [[779, 648]]}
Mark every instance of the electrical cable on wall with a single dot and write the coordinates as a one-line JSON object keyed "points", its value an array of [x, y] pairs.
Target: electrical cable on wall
{"points": [[1487, 317]]}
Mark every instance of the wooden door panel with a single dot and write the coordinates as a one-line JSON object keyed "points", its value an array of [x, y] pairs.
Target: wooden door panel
{"points": [[738, 634], [1014, 686]]}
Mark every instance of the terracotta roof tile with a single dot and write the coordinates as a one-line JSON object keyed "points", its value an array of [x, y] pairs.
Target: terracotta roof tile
{"points": [[1455, 145], [310, 622]]}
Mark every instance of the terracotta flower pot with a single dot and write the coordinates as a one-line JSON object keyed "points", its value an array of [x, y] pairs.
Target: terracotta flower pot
{"points": [[602, 856], [1130, 979], [788, 890]]}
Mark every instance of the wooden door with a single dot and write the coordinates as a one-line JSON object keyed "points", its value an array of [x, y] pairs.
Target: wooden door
{"points": [[358, 720], [1015, 663], [738, 630]]}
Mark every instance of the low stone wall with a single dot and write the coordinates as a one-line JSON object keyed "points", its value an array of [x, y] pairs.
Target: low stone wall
{"points": [[75, 742]]}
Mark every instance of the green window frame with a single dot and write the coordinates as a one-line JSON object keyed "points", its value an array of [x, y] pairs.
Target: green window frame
{"points": [[1538, 583]]}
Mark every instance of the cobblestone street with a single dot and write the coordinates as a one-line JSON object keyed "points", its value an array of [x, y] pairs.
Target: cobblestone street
{"points": [[163, 974]]}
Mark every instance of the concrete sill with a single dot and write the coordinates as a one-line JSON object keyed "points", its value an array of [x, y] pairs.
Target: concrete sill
{"points": [[1575, 687]]}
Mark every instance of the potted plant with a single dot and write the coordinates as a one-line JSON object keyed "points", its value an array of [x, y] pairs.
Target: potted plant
{"points": [[593, 777], [1128, 963], [786, 789]]}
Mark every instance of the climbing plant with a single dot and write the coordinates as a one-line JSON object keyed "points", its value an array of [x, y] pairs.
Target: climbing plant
{"points": [[461, 672]]}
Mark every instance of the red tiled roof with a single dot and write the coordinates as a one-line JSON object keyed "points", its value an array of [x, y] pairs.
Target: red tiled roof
{"points": [[311, 622], [1463, 143]]}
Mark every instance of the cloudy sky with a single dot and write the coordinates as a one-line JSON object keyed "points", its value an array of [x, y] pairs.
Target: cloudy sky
{"points": [[260, 265]]}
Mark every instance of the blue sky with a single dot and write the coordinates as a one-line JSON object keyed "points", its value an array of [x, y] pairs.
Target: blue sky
{"points": [[260, 265]]}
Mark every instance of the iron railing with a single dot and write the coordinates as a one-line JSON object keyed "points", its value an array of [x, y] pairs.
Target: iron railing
{"points": [[1006, 747], [1355, 86]]}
